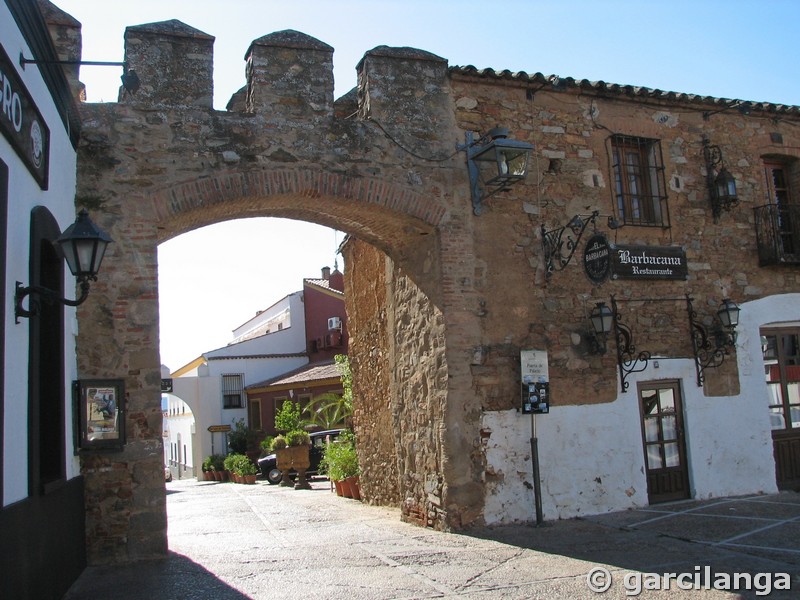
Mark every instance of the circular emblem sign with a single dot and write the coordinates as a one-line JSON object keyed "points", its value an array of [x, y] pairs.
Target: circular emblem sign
{"points": [[597, 258]]}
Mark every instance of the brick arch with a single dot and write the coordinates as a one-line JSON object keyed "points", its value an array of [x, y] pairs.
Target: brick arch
{"points": [[373, 209]]}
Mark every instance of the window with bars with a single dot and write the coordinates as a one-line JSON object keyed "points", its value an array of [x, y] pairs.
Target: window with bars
{"points": [[233, 391], [639, 186]]}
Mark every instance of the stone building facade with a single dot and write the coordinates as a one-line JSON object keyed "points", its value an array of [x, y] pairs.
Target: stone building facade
{"points": [[442, 303]]}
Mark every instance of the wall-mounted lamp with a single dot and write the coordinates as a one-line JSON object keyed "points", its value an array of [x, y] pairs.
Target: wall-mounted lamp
{"points": [[711, 348], [721, 184], [83, 246], [130, 80], [602, 322], [496, 161]]}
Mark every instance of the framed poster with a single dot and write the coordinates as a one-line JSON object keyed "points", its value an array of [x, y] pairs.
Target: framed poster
{"points": [[101, 406]]}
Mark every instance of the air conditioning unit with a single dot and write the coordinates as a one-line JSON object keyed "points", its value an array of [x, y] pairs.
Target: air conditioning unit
{"points": [[334, 323]]}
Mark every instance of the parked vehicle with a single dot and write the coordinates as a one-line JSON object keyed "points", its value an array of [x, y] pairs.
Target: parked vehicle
{"points": [[268, 464]]}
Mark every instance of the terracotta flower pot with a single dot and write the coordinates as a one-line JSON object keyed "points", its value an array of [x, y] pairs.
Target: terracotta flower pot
{"points": [[338, 486], [346, 491], [355, 489]]}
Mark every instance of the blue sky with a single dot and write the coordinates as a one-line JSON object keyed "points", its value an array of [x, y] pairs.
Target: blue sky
{"points": [[728, 49]]}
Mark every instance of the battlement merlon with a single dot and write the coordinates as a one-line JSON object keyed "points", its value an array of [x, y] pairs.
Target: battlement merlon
{"points": [[174, 62], [290, 76], [406, 89]]}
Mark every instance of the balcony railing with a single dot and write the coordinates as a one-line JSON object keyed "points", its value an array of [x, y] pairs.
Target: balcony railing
{"points": [[778, 234]]}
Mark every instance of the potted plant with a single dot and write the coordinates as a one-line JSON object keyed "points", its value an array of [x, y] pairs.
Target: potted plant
{"points": [[340, 463], [230, 463], [247, 470], [218, 464], [294, 455], [208, 468]]}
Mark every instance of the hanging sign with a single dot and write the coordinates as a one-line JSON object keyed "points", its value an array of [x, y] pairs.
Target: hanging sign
{"points": [[597, 258], [649, 262], [22, 123], [535, 382]]}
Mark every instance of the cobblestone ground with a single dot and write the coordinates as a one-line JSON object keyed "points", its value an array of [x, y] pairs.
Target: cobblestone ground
{"points": [[234, 542]]}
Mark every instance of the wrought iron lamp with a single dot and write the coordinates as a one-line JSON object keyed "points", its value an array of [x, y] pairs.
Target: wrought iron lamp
{"points": [[83, 245], [711, 347], [495, 160], [721, 184], [602, 321], [130, 80]]}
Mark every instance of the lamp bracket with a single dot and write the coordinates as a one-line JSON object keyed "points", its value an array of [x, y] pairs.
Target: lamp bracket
{"points": [[709, 347], [597, 341], [628, 359], [130, 80], [47, 295], [712, 154], [494, 138]]}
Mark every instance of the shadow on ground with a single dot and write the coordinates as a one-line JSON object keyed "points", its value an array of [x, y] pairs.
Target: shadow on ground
{"points": [[732, 536], [173, 577]]}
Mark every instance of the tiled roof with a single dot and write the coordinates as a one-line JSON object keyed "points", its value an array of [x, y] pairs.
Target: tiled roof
{"points": [[623, 90], [305, 374], [323, 283]]}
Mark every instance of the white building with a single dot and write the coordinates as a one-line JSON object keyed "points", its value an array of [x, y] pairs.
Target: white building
{"points": [[41, 488], [209, 391]]}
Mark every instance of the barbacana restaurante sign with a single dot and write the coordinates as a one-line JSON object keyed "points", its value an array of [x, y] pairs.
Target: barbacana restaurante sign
{"points": [[602, 259], [648, 262]]}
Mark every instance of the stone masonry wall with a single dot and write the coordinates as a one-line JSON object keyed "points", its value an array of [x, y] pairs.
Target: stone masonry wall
{"points": [[366, 301], [462, 294]]}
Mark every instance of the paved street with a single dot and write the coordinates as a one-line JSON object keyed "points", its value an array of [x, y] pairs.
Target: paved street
{"points": [[233, 542]]}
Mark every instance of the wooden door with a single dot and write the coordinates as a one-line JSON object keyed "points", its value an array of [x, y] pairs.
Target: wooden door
{"points": [[781, 349], [663, 440]]}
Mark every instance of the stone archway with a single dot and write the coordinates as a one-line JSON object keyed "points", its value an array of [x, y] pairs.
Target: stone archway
{"points": [[162, 163]]}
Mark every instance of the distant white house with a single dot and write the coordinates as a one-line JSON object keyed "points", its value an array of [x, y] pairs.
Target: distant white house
{"points": [[208, 394]]}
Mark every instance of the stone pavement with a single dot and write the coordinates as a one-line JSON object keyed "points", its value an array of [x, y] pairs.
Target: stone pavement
{"points": [[237, 542]]}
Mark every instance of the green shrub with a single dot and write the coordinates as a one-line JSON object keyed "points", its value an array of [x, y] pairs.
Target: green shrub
{"points": [[288, 417], [278, 443], [246, 467], [241, 437], [230, 462], [340, 460], [266, 443], [298, 437], [218, 462], [208, 463]]}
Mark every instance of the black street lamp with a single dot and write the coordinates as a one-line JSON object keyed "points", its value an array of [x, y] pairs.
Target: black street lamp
{"points": [[83, 245]]}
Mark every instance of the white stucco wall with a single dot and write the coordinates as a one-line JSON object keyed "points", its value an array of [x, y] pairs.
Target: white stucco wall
{"points": [[591, 457], [24, 195], [179, 428]]}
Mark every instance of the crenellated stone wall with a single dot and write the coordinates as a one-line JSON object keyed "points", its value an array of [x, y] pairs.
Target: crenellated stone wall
{"points": [[440, 301]]}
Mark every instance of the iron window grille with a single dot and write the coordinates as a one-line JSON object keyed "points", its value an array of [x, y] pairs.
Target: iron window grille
{"points": [[777, 223], [637, 165], [233, 391]]}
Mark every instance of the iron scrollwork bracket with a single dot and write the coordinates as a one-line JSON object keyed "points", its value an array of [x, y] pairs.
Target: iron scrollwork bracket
{"points": [[558, 252], [709, 349], [628, 359]]}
